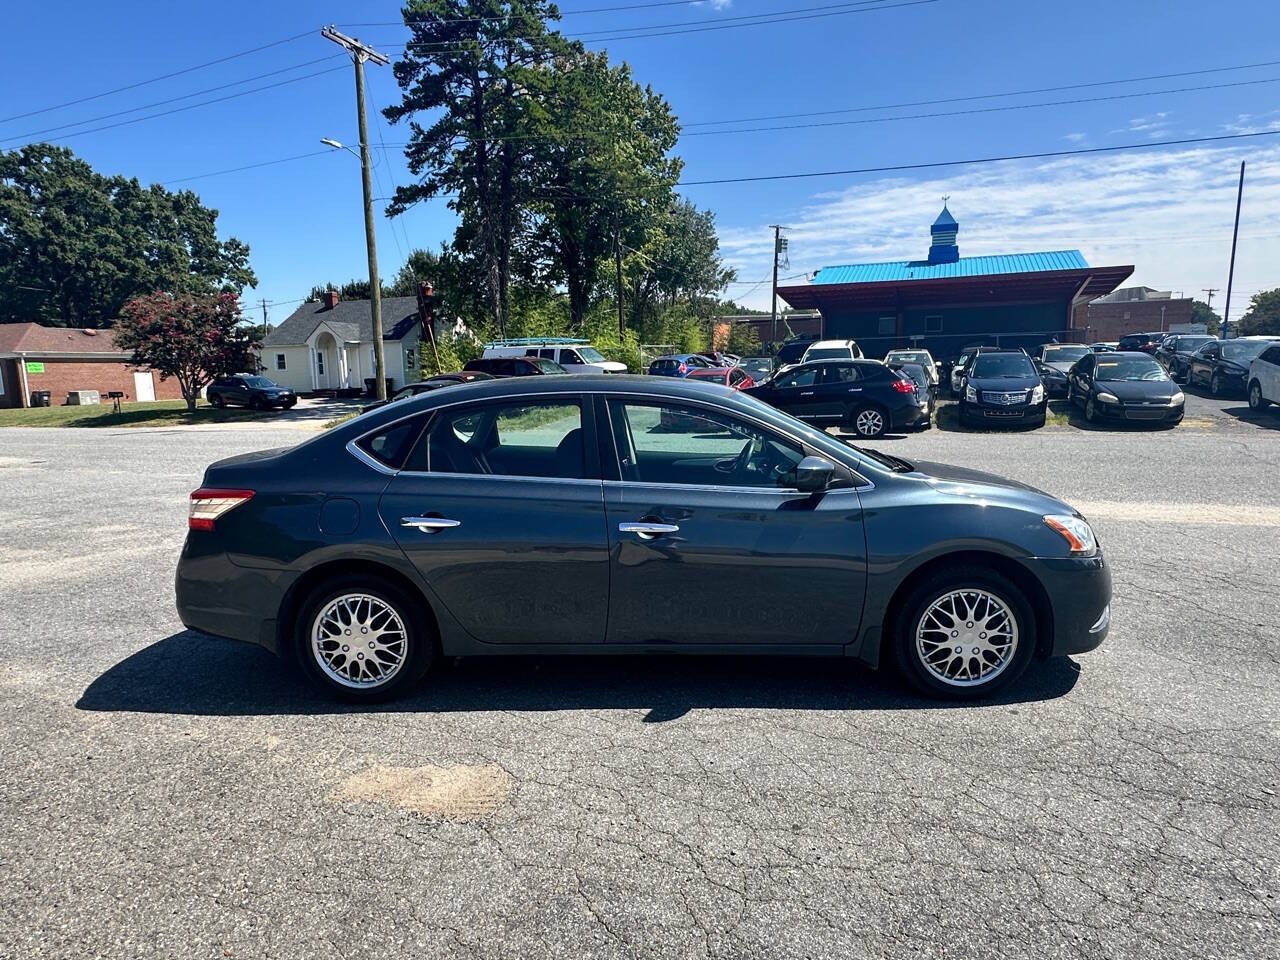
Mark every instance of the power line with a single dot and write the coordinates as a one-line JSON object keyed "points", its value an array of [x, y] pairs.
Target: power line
{"points": [[163, 76], [161, 103], [563, 13], [248, 166]]}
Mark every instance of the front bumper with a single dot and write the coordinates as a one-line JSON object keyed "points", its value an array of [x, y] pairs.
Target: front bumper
{"points": [[1079, 590], [995, 414], [1140, 412]]}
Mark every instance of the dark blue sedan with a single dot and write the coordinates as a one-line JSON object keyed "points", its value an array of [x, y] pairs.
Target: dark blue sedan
{"points": [[678, 365], [554, 515]]}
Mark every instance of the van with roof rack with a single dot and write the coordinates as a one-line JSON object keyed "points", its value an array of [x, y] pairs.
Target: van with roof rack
{"points": [[576, 356]]}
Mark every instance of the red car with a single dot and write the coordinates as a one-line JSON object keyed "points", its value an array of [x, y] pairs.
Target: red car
{"points": [[734, 377]]}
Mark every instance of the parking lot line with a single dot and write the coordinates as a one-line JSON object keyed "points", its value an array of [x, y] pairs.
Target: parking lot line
{"points": [[1214, 514]]}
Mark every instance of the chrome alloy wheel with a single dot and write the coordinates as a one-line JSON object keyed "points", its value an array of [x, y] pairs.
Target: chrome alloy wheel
{"points": [[966, 637], [359, 641], [869, 423]]}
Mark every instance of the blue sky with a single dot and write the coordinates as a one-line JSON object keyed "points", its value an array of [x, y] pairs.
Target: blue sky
{"points": [[1166, 210]]}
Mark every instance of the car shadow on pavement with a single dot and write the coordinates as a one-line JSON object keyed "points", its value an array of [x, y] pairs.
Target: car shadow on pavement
{"points": [[190, 673], [1268, 419]]}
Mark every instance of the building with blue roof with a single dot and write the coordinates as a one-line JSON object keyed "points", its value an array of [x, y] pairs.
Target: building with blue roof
{"points": [[947, 301]]}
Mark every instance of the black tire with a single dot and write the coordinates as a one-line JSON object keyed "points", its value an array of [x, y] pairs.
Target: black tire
{"points": [[907, 656], [217, 401], [1256, 400], [1090, 411], [865, 426], [419, 638], [255, 403], [1215, 385]]}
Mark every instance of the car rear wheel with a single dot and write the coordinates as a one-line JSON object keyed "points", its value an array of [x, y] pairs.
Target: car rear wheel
{"points": [[363, 639], [868, 422], [964, 636], [1256, 400]]}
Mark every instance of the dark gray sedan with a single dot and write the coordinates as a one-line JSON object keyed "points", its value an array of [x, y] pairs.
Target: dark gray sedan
{"points": [[556, 515]]}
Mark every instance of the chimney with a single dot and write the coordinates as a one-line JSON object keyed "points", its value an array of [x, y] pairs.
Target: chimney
{"points": [[330, 299]]}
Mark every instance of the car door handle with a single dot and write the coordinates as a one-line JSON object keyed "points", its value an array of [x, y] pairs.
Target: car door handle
{"points": [[647, 530], [855, 389], [806, 393], [429, 524]]}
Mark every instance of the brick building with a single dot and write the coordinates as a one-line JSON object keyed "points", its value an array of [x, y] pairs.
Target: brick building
{"points": [[62, 359], [790, 324], [1138, 310]]}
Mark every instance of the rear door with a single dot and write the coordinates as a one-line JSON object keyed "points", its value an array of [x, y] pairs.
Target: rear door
{"points": [[500, 508], [703, 518], [839, 389]]}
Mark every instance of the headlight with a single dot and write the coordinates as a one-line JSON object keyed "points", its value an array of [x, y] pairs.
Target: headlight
{"points": [[1177, 398], [1037, 395], [971, 394], [1076, 531], [1105, 397]]}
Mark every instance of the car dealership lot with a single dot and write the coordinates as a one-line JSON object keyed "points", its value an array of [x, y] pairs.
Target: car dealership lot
{"points": [[168, 794]]}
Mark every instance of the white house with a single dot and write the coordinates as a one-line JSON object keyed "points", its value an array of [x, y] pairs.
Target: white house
{"points": [[328, 344]]}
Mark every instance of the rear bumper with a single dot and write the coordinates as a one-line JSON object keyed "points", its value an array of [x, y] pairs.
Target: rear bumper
{"points": [[1079, 591], [217, 597]]}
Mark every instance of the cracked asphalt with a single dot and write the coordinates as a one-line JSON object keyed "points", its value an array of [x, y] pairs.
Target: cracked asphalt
{"points": [[165, 794]]}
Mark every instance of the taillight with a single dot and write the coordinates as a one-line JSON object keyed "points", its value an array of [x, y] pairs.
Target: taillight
{"points": [[904, 386], [209, 503]]}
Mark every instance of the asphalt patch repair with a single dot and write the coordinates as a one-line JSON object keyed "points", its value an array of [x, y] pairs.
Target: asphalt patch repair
{"points": [[461, 793]]}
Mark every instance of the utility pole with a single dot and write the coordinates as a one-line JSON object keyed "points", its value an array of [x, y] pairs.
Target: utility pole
{"points": [[617, 263], [262, 365], [773, 301], [1231, 272], [359, 54], [1209, 292]]}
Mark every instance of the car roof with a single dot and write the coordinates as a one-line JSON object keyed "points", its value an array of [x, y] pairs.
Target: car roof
{"points": [[831, 343]]}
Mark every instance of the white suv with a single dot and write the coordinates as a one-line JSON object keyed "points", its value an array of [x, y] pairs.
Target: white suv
{"points": [[832, 350], [1264, 378], [576, 356]]}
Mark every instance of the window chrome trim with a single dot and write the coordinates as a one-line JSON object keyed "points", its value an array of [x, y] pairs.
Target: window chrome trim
{"points": [[354, 448], [731, 488], [496, 476]]}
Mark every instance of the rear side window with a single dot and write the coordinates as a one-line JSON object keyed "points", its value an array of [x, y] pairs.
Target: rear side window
{"points": [[392, 445], [543, 439], [1271, 355]]}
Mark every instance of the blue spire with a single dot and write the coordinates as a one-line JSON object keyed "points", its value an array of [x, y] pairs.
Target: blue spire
{"points": [[944, 232]]}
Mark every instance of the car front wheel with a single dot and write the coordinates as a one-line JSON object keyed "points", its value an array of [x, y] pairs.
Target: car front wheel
{"points": [[1215, 385], [217, 401], [964, 636], [362, 639], [1256, 400]]}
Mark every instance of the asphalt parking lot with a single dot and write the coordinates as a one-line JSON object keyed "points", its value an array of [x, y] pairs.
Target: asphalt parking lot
{"points": [[167, 794]]}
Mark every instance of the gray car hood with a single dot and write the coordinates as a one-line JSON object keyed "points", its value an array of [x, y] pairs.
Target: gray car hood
{"points": [[977, 484]]}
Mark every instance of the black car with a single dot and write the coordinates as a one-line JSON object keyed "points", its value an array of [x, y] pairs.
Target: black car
{"points": [[791, 351], [864, 395], [524, 516], [514, 366], [249, 390], [1223, 365], [1125, 385], [427, 385], [956, 372], [1142, 342], [1175, 352], [922, 377], [1053, 362], [1002, 387]]}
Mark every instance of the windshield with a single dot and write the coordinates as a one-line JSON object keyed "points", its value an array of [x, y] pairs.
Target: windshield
{"points": [[1243, 349], [909, 356], [258, 382], [828, 353], [591, 355], [1192, 344], [1129, 368], [1002, 365], [1064, 354]]}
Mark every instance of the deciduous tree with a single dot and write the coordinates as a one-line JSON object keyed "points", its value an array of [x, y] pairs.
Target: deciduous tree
{"points": [[1263, 316]]}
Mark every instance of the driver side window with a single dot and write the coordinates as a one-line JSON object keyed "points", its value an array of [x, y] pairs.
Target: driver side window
{"points": [[667, 443], [804, 377]]}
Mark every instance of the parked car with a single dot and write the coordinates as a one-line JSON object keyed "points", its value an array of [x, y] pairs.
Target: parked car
{"points": [[249, 390], [1053, 362], [514, 366], [1003, 387], [523, 516], [958, 368], [789, 353], [1104, 347], [760, 368], [922, 357], [573, 356], [427, 385], [864, 395], [734, 377], [1142, 342], [678, 365], [1264, 378], [1175, 352], [926, 386], [719, 358], [832, 350], [1223, 365], [1125, 385]]}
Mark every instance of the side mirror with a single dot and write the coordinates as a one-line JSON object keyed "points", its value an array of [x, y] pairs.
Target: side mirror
{"points": [[813, 474]]}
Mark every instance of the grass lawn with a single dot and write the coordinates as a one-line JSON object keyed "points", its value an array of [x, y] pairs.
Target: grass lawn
{"points": [[161, 413]]}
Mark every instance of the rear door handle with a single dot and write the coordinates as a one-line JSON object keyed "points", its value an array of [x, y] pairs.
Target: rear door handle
{"points": [[807, 393], [429, 524], [647, 530]]}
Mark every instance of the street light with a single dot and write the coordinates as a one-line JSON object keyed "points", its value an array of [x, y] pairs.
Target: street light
{"points": [[375, 290]]}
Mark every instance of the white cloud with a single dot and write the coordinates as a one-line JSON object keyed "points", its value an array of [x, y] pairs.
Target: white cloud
{"points": [[714, 4], [1168, 212], [1075, 137]]}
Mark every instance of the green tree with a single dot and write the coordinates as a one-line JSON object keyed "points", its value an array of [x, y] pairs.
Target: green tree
{"points": [[744, 340], [481, 65], [1201, 312], [192, 337], [679, 260], [1263, 315], [75, 245]]}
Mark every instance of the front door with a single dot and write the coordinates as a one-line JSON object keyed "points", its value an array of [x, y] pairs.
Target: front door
{"points": [[710, 545], [144, 387], [501, 510], [796, 392]]}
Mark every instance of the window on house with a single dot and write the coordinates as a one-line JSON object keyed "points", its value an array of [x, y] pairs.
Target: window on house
{"points": [[409, 363], [320, 363], [887, 326], [933, 323], [280, 365]]}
